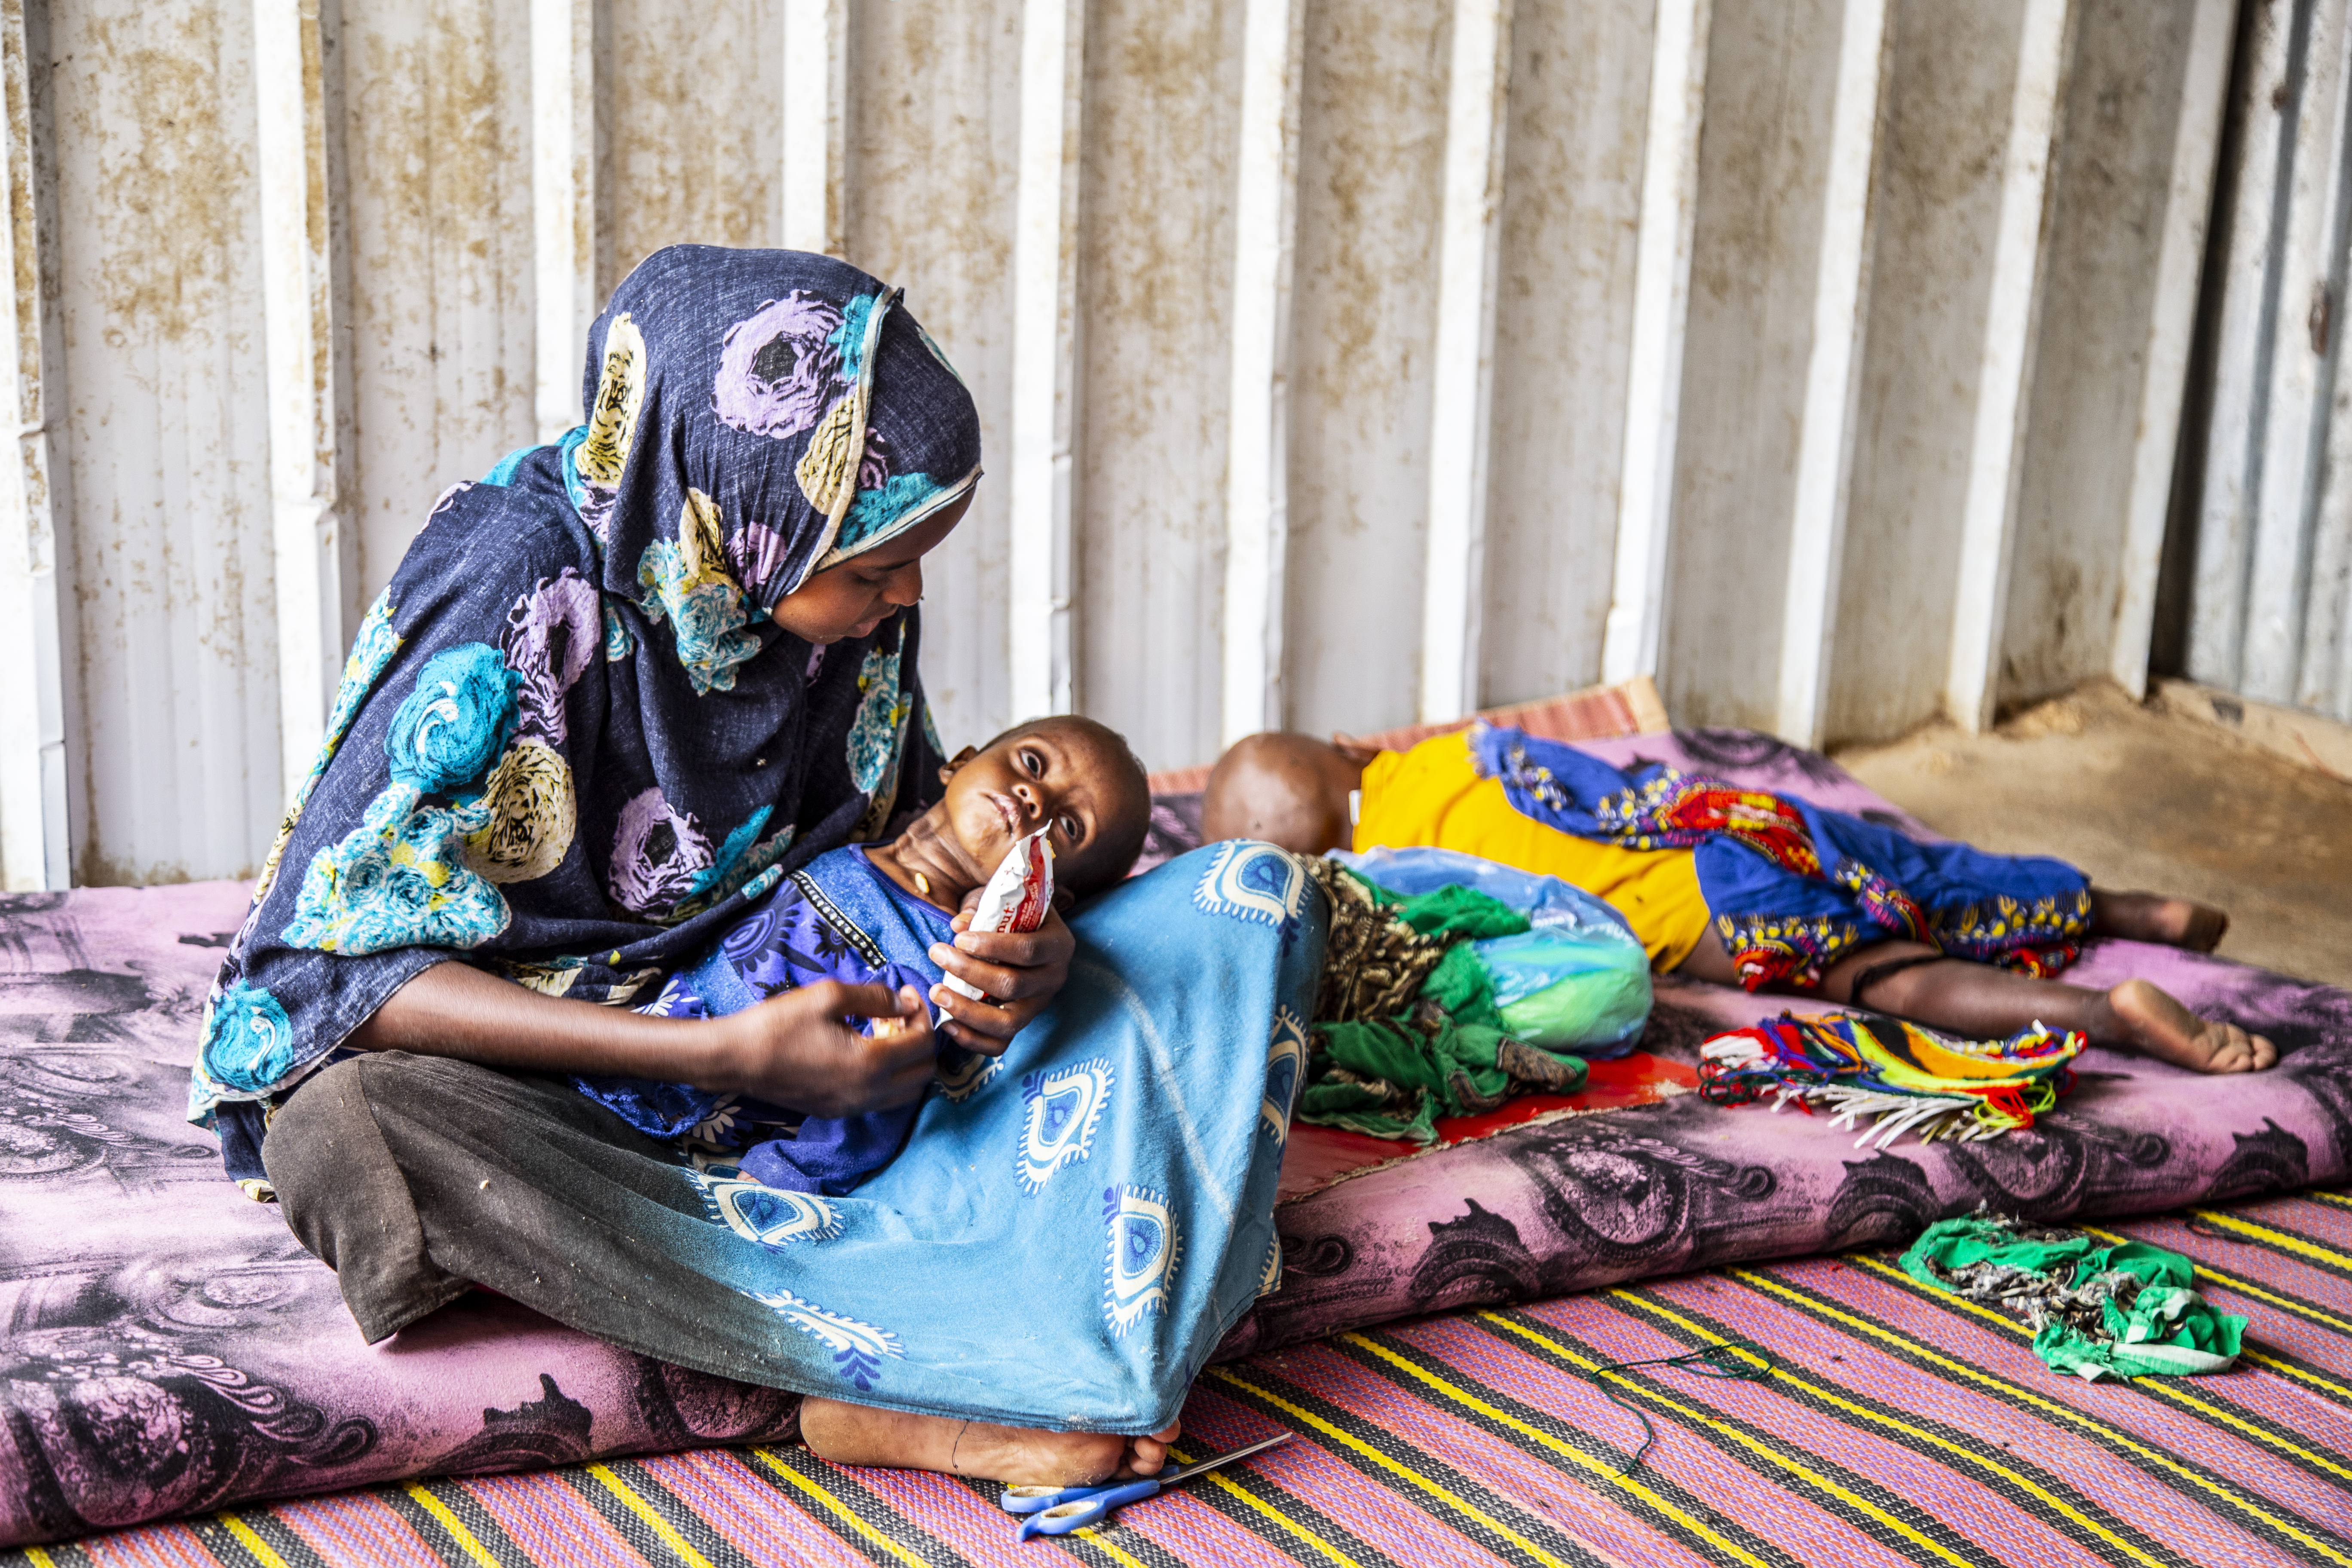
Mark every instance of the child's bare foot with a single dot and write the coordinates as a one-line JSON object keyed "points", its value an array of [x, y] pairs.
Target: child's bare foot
{"points": [[863, 1435], [2152, 917], [1019, 1457], [2162, 1027]]}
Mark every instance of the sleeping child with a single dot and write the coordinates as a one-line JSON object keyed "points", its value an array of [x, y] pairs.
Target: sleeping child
{"points": [[1729, 884], [871, 913]]}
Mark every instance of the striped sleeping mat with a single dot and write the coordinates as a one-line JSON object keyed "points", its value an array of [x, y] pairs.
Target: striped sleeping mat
{"points": [[1896, 1426]]}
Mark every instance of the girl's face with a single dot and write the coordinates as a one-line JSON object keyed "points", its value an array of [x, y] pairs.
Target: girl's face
{"points": [[853, 598]]}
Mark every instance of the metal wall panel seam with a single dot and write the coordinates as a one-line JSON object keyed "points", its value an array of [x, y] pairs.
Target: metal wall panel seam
{"points": [[2172, 323], [2013, 313], [2310, 261], [36, 619], [815, 183], [2323, 686], [310, 541], [1634, 628], [2318, 585], [1257, 456], [566, 231], [2321, 587], [1825, 440], [1462, 377], [2319, 593], [2330, 688], [2233, 432], [1040, 643]]}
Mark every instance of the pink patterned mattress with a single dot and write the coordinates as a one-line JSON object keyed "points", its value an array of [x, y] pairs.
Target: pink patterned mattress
{"points": [[168, 1348]]}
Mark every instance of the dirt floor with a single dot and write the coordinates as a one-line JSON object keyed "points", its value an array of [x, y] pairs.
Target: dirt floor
{"points": [[2142, 798]]}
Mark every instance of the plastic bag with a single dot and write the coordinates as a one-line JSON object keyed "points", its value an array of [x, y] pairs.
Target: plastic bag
{"points": [[1016, 899], [1545, 900], [1577, 980], [1569, 991]]}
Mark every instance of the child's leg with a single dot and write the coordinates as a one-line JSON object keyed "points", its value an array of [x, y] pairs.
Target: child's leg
{"points": [[1980, 1002], [861, 1435], [2152, 917], [1977, 1001]]}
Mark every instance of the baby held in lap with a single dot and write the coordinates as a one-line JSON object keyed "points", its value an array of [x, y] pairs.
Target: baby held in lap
{"points": [[870, 915], [1311, 796]]}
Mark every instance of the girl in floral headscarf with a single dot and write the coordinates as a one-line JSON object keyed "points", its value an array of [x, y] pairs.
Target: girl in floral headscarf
{"points": [[616, 690]]}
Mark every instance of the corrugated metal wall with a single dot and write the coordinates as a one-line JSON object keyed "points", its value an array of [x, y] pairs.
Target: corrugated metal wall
{"points": [[1342, 362], [2270, 581]]}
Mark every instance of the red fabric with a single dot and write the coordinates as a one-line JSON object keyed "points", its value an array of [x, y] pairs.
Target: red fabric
{"points": [[1318, 1156]]}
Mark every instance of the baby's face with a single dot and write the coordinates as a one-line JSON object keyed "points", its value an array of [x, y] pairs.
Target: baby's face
{"points": [[1052, 775]]}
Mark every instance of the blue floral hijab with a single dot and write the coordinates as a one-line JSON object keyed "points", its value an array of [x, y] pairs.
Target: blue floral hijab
{"points": [[570, 743]]}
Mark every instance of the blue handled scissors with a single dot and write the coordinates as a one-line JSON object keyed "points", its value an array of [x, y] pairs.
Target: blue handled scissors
{"points": [[1057, 1510]]}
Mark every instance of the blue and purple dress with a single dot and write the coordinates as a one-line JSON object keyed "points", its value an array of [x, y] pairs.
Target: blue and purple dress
{"points": [[837, 917]]}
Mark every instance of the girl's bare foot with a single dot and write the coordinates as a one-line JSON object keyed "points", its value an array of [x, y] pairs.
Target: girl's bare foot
{"points": [[2152, 917], [863, 1435], [2162, 1027]]}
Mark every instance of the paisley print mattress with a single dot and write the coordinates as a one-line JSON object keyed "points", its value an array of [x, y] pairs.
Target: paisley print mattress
{"points": [[166, 1348]]}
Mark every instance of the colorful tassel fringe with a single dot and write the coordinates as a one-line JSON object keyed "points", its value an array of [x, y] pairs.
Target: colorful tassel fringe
{"points": [[1890, 1077]]}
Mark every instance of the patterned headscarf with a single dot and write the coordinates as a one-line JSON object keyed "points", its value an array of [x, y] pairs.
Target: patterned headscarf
{"points": [[775, 457], [570, 742]]}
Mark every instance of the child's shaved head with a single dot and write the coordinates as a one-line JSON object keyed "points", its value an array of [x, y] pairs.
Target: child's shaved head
{"points": [[1287, 789]]}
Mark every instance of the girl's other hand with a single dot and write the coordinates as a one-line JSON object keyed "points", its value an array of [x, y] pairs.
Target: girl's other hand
{"points": [[799, 1049], [1020, 971]]}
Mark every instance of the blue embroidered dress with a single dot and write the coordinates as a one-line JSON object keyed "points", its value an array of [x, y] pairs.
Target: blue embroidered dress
{"points": [[837, 917], [570, 746]]}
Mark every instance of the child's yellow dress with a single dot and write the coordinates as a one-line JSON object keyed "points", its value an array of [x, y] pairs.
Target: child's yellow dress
{"points": [[1432, 796]]}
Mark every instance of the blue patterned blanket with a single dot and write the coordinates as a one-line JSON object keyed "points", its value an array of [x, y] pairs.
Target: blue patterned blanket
{"points": [[1068, 1232]]}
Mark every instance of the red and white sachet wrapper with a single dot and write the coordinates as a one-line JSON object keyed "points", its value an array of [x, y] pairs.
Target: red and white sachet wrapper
{"points": [[1016, 899]]}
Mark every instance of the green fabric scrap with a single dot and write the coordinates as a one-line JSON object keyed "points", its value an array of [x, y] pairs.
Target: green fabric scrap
{"points": [[1451, 1072], [1394, 1079], [1455, 913], [2099, 1311], [1449, 1056], [1462, 986], [1371, 1107]]}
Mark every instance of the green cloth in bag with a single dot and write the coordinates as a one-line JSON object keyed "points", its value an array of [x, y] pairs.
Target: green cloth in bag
{"points": [[1453, 913], [1393, 1077]]}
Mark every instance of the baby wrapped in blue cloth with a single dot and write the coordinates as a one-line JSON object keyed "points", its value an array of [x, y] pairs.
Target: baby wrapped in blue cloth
{"points": [[870, 914]]}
